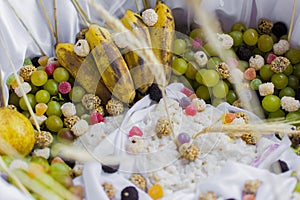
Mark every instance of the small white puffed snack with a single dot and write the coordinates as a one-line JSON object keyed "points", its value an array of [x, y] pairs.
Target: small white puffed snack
{"points": [[26, 86], [80, 128], [266, 89], [289, 104], [199, 103], [281, 47], [45, 153], [68, 109], [135, 145], [226, 40], [82, 48], [19, 164], [40, 119], [150, 17], [256, 62], [201, 58]]}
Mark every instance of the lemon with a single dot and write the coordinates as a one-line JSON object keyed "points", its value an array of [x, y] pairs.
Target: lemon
{"points": [[16, 130]]}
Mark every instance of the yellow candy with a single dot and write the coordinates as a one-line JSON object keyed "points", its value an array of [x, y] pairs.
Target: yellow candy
{"points": [[40, 109], [14, 83], [43, 60], [156, 191]]}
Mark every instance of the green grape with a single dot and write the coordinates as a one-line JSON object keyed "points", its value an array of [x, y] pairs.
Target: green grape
{"points": [[210, 50], [179, 66], [41, 68], [243, 65], [277, 114], [239, 26], [293, 116], [265, 72], [220, 90], [42, 96], [27, 61], [293, 82], [237, 37], [231, 97], [61, 74], [60, 168], [212, 62], [203, 93], [229, 53], [255, 83], [80, 110], [257, 51], [274, 38], [86, 117], [34, 89], [288, 91], [297, 70], [265, 43], [217, 101], [54, 123], [31, 99], [195, 84], [293, 55], [76, 94], [54, 108], [7, 159], [210, 78], [271, 103], [51, 86], [26, 113], [191, 71], [39, 78], [41, 161], [197, 33], [13, 99], [289, 70], [199, 75], [189, 56], [280, 80], [179, 46], [250, 37]]}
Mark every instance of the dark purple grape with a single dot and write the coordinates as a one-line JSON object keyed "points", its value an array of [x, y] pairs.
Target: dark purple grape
{"points": [[129, 193], [155, 93], [279, 29], [35, 61], [110, 168], [244, 53]]}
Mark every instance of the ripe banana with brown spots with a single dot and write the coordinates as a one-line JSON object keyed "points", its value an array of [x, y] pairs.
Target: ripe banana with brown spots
{"points": [[110, 63]]}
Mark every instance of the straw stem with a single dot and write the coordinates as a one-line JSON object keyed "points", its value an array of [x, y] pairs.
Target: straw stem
{"points": [[80, 14], [47, 17], [56, 22], [292, 21]]}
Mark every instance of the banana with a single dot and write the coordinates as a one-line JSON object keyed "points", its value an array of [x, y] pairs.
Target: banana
{"points": [[162, 37], [83, 70], [140, 72], [111, 65]]}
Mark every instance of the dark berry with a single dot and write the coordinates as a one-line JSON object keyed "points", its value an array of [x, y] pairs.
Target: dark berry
{"points": [[155, 93], [110, 168], [244, 53], [35, 61], [279, 29], [284, 166], [129, 193], [295, 141]]}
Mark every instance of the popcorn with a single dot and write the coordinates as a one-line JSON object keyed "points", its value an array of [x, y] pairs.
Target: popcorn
{"points": [[251, 186], [189, 151], [19, 164], [40, 119], [82, 48], [90, 101], [256, 62], [69, 122], [227, 41], [26, 86], [242, 115], [223, 69], [109, 190], [26, 71], [279, 64], [80, 128], [200, 58], [290, 104], [43, 139], [139, 181], [281, 47], [135, 145], [266, 89], [208, 196], [114, 107], [199, 103], [265, 26], [163, 127], [249, 138], [68, 109], [150, 17], [45, 153]]}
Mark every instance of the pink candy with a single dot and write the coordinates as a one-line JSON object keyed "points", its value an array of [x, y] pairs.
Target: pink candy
{"points": [[49, 69], [197, 43], [96, 118], [64, 87], [270, 58], [191, 110], [135, 131], [187, 91]]}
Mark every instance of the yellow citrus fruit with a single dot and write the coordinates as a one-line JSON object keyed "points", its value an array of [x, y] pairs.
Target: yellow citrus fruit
{"points": [[16, 130]]}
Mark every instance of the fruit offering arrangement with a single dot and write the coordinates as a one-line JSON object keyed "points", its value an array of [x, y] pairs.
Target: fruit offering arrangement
{"points": [[94, 81]]}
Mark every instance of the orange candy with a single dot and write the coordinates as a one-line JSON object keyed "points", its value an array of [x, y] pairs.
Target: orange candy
{"points": [[229, 117], [40, 109], [250, 74], [249, 197], [156, 191]]}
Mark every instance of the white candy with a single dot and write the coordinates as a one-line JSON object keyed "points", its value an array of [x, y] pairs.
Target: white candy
{"points": [[290, 104], [238, 121], [150, 17], [281, 47], [18, 164], [53, 60], [26, 86], [200, 104], [256, 62], [45, 153], [135, 144], [82, 48], [120, 39], [200, 58], [68, 109], [80, 128], [266, 89], [226, 40], [40, 119]]}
